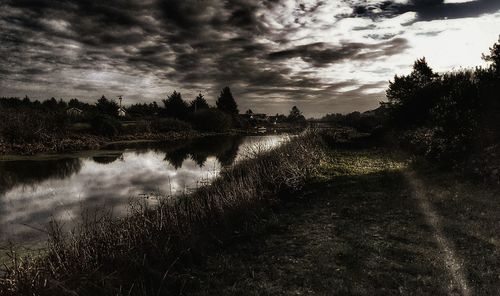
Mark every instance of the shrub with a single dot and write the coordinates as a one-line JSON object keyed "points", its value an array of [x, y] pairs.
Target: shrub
{"points": [[138, 127], [450, 116], [105, 125], [211, 120], [27, 126], [169, 125]]}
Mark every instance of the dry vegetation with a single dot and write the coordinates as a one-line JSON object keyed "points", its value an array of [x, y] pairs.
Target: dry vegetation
{"points": [[144, 253]]}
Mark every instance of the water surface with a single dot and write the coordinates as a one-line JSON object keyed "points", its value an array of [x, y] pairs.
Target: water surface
{"points": [[33, 190]]}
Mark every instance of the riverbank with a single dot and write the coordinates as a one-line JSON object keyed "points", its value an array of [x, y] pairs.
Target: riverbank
{"points": [[317, 217], [145, 250], [370, 224], [77, 142]]}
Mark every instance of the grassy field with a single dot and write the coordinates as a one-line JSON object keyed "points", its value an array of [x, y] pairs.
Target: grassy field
{"points": [[361, 230]]}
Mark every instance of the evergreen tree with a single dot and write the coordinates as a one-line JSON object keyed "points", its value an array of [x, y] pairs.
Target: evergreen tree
{"points": [[199, 103], [226, 102], [175, 106], [26, 101], [295, 115], [422, 73], [494, 57], [412, 96], [107, 107], [50, 104], [62, 104], [75, 103]]}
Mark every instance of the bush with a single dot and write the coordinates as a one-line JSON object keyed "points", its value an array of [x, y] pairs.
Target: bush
{"points": [[138, 127], [211, 120], [450, 116], [105, 125], [170, 125], [28, 125]]}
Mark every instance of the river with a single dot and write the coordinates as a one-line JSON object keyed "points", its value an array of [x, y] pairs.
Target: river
{"points": [[34, 190]]}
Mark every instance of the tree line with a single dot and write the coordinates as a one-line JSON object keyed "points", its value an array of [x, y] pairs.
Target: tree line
{"points": [[174, 105], [447, 116], [27, 120]]}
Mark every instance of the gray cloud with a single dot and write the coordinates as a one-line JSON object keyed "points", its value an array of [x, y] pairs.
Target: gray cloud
{"points": [[321, 54], [427, 10], [147, 48]]}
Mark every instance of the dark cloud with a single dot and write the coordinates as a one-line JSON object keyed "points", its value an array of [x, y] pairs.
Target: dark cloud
{"points": [[147, 47], [322, 54], [428, 10]]}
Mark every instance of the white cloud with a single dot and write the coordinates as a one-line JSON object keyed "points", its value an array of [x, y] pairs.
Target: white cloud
{"points": [[458, 1], [447, 44]]}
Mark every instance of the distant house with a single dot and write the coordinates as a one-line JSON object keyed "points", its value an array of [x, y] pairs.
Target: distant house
{"points": [[256, 117], [259, 116], [74, 111], [122, 112], [273, 119]]}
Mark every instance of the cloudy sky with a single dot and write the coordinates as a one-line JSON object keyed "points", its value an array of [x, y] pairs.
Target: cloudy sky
{"points": [[321, 55]]}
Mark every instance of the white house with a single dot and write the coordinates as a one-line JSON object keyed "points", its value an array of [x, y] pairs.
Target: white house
{"points": [[74, 111], [122, 112]]}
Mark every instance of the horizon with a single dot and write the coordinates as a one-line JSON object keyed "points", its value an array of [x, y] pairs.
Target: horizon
{"points": [[334, 57]]}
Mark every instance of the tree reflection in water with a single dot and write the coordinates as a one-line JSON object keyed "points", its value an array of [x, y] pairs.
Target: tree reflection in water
{"points": [[27, 172], [34, 190], [107, 159], [224, 148]]}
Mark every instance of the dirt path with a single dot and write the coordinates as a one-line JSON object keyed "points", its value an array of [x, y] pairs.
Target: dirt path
{"points": [[368, 228], [454, 265]]}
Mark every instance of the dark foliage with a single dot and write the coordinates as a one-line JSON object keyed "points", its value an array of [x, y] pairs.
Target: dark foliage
{"points": [[366, 122], [494, 58], [107, 107], [144, 110], [199, 103], [448, 116], [16, 104], [75, 103], [105, 125], [211, 120], [412, 96], [226, 102], [296, 116], [175, 106], [30, 126], [169, 124]]}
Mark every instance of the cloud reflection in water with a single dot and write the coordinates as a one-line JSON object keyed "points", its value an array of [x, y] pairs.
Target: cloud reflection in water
{"points": [[109, 182]]}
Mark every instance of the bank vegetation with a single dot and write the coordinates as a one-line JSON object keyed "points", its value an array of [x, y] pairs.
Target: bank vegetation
{"points": [[145, 252]]}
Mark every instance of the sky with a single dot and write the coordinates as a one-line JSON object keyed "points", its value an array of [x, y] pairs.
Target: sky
{"points": [[322, 56]]}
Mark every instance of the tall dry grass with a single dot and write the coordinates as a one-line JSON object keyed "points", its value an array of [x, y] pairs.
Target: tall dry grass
{"points": [[145, 252]]}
